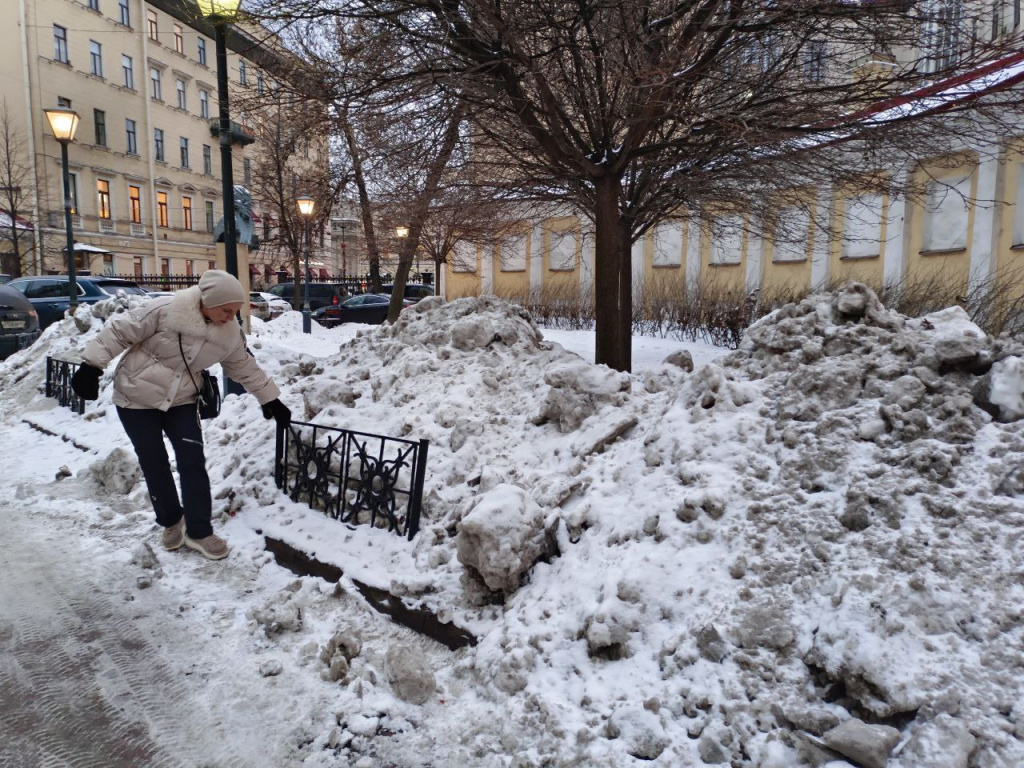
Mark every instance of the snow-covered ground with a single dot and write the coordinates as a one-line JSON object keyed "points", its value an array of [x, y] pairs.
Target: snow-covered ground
{"points": [[806, 552]]}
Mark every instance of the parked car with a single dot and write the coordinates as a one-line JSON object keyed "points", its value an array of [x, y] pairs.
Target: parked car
{"points": [[19, 323], [413, 291], [258, 306], [50, 298], [371, 308], [320, 294], [278, 306], [157, 294], [5, 279]]}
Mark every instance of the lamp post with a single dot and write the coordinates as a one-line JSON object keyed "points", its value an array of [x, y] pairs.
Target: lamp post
{"points": [[220, 13], [63, 123], [306, 207], [401, 232]]}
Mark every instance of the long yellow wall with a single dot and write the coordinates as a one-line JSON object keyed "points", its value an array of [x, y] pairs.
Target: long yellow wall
{"points": [[562, 283], [1010, 258]]}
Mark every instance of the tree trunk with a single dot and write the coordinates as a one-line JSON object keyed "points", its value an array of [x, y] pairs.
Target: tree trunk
{"points": [[365, 210], [612, 279]]}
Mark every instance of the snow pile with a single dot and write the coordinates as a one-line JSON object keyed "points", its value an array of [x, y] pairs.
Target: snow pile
{"points": [[807, 551]]}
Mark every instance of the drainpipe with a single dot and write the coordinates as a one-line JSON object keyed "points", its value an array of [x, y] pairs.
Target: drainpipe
{"points": [[151, 150], [38, 222]]}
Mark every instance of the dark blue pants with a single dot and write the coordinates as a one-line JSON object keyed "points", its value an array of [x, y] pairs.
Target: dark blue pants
{"points": [[146, 428]]}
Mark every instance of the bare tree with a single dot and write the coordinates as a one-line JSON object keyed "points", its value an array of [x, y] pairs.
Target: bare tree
{"points": [[15, 184], [634, 111]]}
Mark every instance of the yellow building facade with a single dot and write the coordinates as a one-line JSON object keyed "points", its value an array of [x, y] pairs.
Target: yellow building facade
{"points": [[146, 171]]}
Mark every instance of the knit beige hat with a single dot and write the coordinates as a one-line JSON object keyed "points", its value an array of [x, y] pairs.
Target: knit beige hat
{"points": [[217, 287]]}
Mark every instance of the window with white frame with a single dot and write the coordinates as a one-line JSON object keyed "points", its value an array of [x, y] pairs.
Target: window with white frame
{"points": [[151, 26], [179, 85], [792, 232], [464, 259], [727, 239], [563, 251], [945, 215], [128, 72], [862, 227], [204, 103], [668, 245], [513, 254], [179, 39], [155, 84]]}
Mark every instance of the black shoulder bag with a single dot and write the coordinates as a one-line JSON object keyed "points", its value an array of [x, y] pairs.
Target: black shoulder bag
{"points": [[208, 400]]}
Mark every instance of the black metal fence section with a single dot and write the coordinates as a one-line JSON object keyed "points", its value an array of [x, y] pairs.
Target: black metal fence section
{"points": [[161, 282], [352, 476], [58, 384]]}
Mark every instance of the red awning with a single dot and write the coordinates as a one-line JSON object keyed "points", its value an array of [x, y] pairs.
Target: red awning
{"points": [[323, 274], [254, 270]]}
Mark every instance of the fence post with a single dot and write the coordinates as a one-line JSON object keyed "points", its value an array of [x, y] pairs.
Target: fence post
{"points": [[412, 525]]}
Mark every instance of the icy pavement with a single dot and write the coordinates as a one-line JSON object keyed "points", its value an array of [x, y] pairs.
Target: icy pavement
{"points": [[804, 552]]}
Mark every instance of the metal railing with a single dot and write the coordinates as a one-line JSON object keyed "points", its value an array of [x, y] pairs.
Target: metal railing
{"points": [[58, 384], [161, 282], [351, 476]]}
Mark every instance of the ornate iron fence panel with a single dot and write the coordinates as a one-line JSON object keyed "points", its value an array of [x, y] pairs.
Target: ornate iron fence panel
{"points": [[353, 476], [58, 384]]}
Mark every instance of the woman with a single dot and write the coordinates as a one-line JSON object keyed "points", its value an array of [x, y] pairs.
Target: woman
{"points": [[169, 342]]}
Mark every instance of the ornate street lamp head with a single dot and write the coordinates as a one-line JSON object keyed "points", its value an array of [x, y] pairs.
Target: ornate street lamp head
{"points": [[219, 10], [63, 123], [306, 205]]}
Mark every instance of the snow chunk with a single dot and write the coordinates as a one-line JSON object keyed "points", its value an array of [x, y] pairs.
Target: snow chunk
{"points": [[578, 390], [502, 537], [1006, 388], [640, 731], [118, 473]]}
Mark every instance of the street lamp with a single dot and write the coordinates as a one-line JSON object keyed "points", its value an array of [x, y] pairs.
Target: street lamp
{"points": [[63, 123], [306, 207], [220, 13]]}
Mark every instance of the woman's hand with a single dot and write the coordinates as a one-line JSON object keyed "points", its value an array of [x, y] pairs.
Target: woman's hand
{"points": [[86, 381], [278, 411]]}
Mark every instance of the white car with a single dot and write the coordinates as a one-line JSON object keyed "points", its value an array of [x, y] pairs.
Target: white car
{"points": [[278, 306]]}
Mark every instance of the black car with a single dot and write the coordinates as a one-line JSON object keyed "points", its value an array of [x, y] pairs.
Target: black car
{"points": [[413, 291], [50, 297], [320, 294], [19, 323], [370, 308]]}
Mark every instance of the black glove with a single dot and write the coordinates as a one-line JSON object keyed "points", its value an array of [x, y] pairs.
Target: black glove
{"points": [[277, 410], [86, 381]]}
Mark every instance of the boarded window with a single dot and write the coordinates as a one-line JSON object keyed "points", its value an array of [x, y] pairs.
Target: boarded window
{"points": [[862, 227], [668, 245], [464, 259], [727, 240], [791, 234], [563, 251], [513, 254], [945, 220], [1018, 208]]}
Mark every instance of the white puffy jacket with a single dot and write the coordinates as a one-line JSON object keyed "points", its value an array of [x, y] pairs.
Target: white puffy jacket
{"points": [[152, 373]]}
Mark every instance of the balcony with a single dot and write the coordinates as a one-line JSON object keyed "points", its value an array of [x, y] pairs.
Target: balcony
{"points": [[107, 225], [138, 230]]}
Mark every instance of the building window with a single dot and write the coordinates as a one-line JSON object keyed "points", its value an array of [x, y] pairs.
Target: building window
{"points": [[64, 102], [96, 58], [202, 51], [727, 240], [668, 247], [862, 235], [259, 81], [183, 145], [128, 72], [242, 79], [99, 121], [94, 5], [814, 61], [60, 44], [945, 222], [73, 186], [135, 203], [945, 37], [186, 212], [131, 137], [513, 254], [165, 267], [792, 232], [161, 209], [126, 15], [247, 171], [103, 196], [1018, 216], [158, 140], [209, 216], [179, 40], [204, 103], [207, 159], [156, 87], [180, 86], [151, 25]]}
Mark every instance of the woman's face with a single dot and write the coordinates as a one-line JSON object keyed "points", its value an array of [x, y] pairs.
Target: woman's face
{"points": [[223, 314]]}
